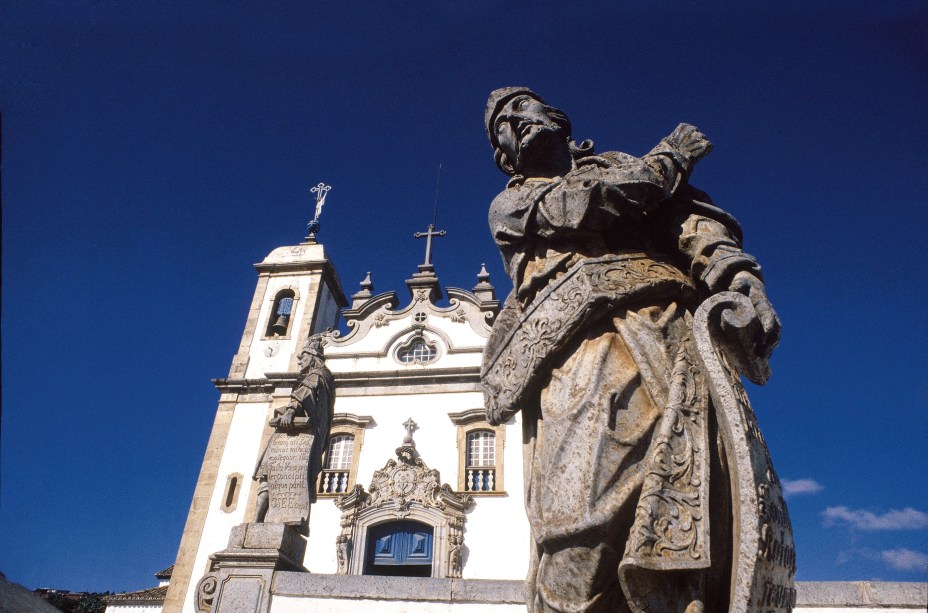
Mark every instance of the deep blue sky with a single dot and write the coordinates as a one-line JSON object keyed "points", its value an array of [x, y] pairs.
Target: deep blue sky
{"points": [[152, 153]]}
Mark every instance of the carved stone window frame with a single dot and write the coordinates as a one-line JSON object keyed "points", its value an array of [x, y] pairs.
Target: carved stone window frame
{"points": [[269, 321], [473, 420], [431, 517], [404, 489], [353, 425]]}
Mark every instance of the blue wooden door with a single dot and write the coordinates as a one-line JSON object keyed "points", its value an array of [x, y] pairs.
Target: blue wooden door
{"points": [[400, 548]]}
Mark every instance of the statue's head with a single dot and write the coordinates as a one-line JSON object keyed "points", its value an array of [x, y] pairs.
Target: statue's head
{"points": [[526, 133], [312, 350]]}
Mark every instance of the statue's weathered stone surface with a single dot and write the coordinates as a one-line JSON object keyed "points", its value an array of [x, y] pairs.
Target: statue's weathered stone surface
{"points": [[291, 460], [641, 447]]}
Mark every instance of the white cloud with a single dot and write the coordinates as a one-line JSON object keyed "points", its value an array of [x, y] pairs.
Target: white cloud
{"points": [[792, 487], [894, 519], [905, 559], [899, 559]]}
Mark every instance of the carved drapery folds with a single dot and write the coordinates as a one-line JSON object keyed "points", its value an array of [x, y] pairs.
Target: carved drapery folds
{"points": [[405, 488]]}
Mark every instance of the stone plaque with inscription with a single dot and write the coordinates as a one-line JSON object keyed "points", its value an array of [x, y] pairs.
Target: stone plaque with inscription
{"points": [[287, 465]]}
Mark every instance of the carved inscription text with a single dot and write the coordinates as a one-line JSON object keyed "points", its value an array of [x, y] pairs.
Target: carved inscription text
{"points": [[287, 464]]}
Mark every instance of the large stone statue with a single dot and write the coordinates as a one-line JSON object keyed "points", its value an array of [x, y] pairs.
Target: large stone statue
{"points": [[638, 437], [292, 459]]}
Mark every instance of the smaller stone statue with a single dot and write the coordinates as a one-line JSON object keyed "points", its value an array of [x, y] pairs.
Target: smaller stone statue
{"points": [[343, 551], [454, 558], [292, 459]]}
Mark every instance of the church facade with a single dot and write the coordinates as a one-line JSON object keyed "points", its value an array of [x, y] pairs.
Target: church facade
{"points": [[415, 482]]}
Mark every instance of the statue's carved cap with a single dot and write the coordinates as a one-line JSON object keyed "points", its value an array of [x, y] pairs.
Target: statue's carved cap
{"points": [[313, 346], [497, 99]]}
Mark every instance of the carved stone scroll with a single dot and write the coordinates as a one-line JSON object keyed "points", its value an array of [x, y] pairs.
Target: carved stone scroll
{"points": [[764, 562]]}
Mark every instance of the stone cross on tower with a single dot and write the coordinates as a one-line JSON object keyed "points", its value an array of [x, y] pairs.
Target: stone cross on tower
{"points": [[428, 234]]}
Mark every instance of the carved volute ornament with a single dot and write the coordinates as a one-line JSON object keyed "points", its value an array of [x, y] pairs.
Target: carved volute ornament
{"points": [[405, 488], [634, 311]]}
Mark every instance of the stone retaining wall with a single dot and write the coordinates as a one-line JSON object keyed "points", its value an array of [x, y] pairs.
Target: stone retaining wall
{"points": [[293, 592]]}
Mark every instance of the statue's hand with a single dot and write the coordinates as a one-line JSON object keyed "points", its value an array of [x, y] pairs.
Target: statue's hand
{"points": [[286, 420], [690, 142], [752, 287]]}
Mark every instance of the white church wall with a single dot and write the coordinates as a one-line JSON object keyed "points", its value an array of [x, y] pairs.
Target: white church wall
{"points": [[324, 518], [435, 437], [461, 334], [497, 534], [494, 548], [384, 346], [241, 451]]}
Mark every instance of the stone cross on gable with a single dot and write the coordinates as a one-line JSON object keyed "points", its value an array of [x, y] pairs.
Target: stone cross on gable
{"points": [[428, 234], [411, 427]]}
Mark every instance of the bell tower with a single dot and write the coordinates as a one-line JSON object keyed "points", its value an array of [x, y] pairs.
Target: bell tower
{"points": [[298, 294]]}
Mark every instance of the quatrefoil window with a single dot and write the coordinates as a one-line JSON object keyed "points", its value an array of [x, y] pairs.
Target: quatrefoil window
{"points": [[417, 351]]}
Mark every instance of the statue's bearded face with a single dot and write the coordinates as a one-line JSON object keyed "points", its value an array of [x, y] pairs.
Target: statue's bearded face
{"points": [[305, 360], [524, 131]]}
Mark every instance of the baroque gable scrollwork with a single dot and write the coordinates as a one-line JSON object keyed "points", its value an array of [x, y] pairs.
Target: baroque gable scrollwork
{"points": [[380, 310]]}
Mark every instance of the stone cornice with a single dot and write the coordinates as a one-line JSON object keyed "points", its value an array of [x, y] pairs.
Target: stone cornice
{"points": [[324, 267], [385, 379], [469, 416], [350, 419], [244, 386], [395, 378]]}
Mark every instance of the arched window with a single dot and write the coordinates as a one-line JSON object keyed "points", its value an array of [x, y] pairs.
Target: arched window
{"points": [[417, 351], [337, 471], [278, 324], [480, 453], [481, 461]]}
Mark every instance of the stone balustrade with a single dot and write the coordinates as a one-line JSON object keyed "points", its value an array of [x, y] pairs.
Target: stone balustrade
{"points": [[333, 481], [480, 479]]}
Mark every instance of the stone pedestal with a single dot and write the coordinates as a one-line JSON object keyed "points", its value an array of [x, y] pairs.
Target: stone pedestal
{"points": [[239, 580]]}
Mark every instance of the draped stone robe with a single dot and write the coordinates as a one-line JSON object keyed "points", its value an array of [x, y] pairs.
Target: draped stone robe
{"points": [[594, 346]]}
